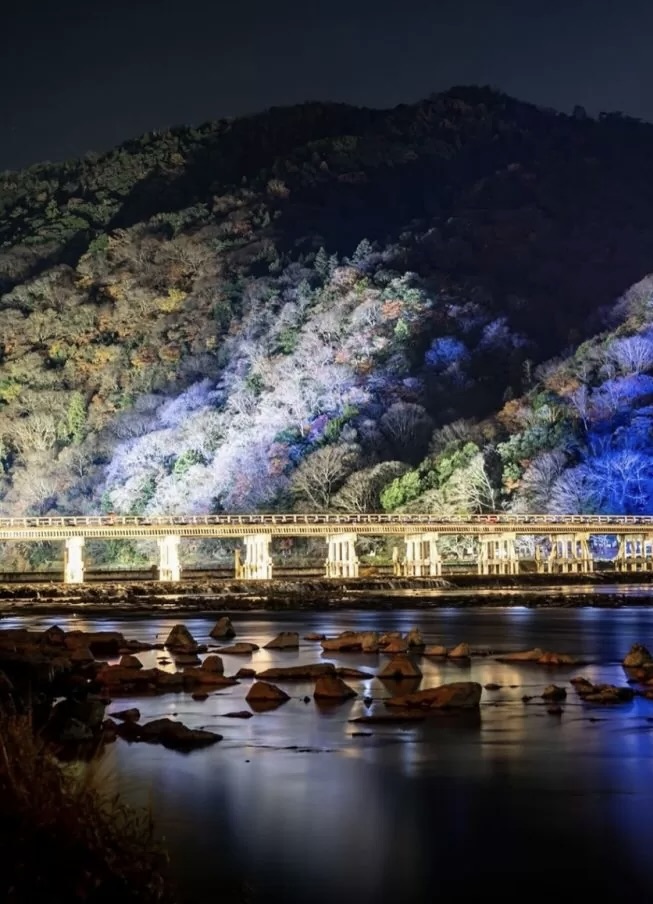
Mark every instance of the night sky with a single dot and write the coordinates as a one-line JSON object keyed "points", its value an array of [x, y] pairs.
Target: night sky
{"points": [[80, 76]]}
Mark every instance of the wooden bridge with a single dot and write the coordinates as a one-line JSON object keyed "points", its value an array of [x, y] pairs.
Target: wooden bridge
{"points": [[498, 540]]}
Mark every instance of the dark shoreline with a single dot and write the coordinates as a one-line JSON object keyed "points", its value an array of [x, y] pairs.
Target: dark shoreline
{"points": [[141, 598]]}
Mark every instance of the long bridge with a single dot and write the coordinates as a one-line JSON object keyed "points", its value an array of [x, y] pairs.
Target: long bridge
{"points": [[497, 539]]}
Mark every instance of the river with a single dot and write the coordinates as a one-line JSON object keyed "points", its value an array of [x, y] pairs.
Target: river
{"points": [[303, 806]]}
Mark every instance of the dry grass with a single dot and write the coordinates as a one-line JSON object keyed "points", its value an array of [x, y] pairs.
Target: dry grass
{"points": [[61, 840]]}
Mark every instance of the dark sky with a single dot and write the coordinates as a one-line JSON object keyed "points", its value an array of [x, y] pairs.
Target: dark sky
{"points": [[80, 75]]}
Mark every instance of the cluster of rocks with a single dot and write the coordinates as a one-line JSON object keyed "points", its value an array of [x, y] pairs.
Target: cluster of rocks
{"points": [[371, 642], [539, 657]]}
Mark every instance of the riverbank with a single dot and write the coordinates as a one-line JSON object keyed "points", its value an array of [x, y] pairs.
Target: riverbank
{"points": [[141, 598]]}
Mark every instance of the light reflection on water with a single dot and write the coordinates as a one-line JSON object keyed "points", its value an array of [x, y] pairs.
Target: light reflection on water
{"points": [[447, 807]]}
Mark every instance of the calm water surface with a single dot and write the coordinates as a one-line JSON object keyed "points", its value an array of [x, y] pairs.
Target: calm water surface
{"points": [[516, 801]]}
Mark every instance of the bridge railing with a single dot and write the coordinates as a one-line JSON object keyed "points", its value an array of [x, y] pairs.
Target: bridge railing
{"points": [[318, 518]]}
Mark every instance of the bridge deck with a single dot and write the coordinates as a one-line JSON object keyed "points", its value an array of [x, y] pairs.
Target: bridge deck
{"points": [[303, 525]]}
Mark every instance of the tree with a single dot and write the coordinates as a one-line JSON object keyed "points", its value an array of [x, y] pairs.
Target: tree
{"points": [[632, 354], [361, 491], [408, 427], [321, 473]]}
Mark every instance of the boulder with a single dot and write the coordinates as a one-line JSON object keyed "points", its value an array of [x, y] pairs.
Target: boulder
{"points": [[461, 651], [549, 658], [130, 662], [602, 693], [348, 641], [414, 638], [435, 649], [287, 640], [314, 636], [345, 672], [121, 680], [245, 673], [54, 636], [388, 637], [330, 687], [127, 715], [241, 714], [396, 645], [182, 659], [223, 629], [400, 666], [76, 720], [457, 695], [181, 640], [637, 657], [553, 692], [213, 663], [369, 642], [240, 649], [492, 687], [207, 677], [299, 672], [81, 656], [261, 692], [522, 656], [199, 696], [176, 735], [100, 643]]}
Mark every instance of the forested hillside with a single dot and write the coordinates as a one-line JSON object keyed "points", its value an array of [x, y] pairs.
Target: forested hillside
{"points": [[324, 307]]}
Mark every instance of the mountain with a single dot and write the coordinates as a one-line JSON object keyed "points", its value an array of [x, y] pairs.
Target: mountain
{"points": [[325, 306]]}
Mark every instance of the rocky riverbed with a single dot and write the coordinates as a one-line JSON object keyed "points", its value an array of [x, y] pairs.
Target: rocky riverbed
{"points": [[75, 675]]}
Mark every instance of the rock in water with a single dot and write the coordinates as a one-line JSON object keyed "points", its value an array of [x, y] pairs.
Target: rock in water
{"points": [[414, 638], [127, 715], [522, 656], [435, 649], [348, 641], [330, 687], [400, 666], [240, 649], [396, 645], [181, 639], [245, 673], [457, 695], [287, 640], [308, 672], [130, 662], [553, 692], [261, 692], [223, 628], [213, 663], [637, 657], [461, 651], [176, 735]]}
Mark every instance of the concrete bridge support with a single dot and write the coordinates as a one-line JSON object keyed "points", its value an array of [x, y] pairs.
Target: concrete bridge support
{"points": [[169, 567], [498, 554], [634, 553], [74, 560], [342, 561], [570, 553], [258, 562], [422, 556]]}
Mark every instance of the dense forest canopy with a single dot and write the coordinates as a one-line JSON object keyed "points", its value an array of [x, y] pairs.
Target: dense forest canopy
{"points": [[325, 307]]}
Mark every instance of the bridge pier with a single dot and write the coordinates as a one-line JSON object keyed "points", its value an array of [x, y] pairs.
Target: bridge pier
{"points": [[73, 560], [342, 561], [422, 556], [258, 563], [570, 554], [498, 554], [634, 553], [169, 567]]}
